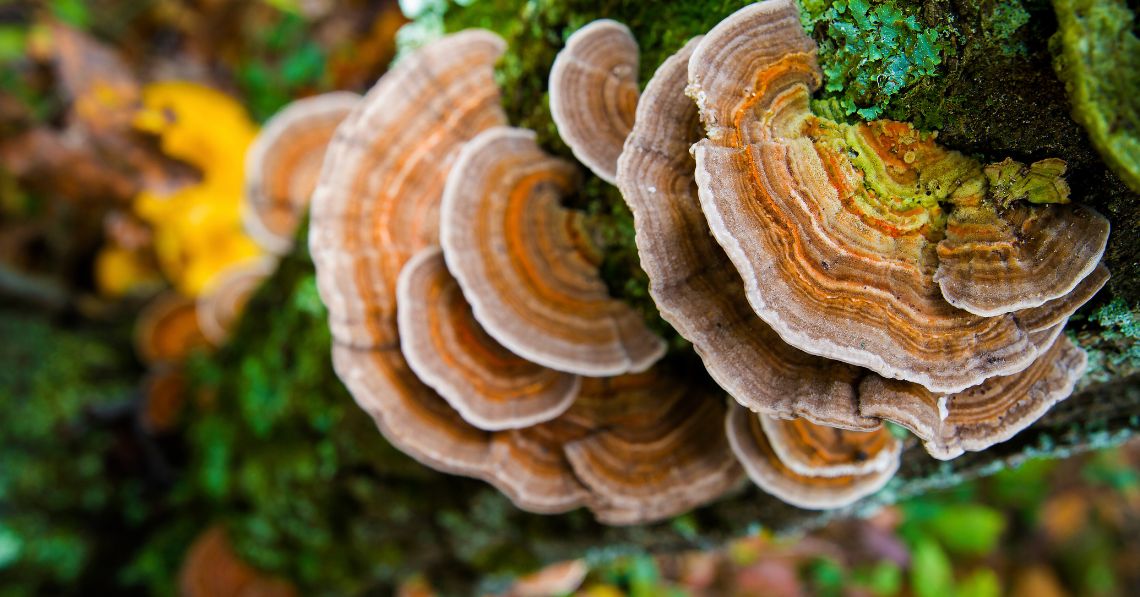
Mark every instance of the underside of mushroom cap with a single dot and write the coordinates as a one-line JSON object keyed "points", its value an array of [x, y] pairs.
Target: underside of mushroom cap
{"points": [[834, 228], [983, 415], [525, 263], [593, 93], [491, 387], [377, 202], [283, 163], [762, 463], [694, 284], [655, 447]]}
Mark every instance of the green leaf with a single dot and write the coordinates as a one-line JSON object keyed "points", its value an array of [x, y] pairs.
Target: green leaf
{"points": [[982, 582], [968, 529], [930, 570]]}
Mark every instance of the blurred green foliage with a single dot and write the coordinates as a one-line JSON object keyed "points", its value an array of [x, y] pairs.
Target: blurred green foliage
{"points": [[282, 62]]}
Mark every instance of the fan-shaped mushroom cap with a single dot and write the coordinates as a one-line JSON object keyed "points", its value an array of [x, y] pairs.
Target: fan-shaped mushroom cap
{"points": [[282, 165], [823, 451], [409, 414], [1056, 312], [834, 227], [212, 569], [530, 466], [983, 415], [167, 329], [754, 449], [562, 578], [377, 202], [694, 284], [525, 264], [655, 449], [491, 387], [593, 93], [992, 263], [221, 306]]}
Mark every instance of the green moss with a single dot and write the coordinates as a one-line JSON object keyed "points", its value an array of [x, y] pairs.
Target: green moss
{"points": [[1098, 56], [870, 51]]}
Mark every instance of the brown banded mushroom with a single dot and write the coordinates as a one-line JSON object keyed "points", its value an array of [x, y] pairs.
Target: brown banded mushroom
{"points": [[377, 203], [220, 307], [694, 285], [843, 466], [526, 264], [983, 415], [834, 228], [489, 386], [167, 329], [530, 466], [593, 93], [655, 447], [282, 165]]}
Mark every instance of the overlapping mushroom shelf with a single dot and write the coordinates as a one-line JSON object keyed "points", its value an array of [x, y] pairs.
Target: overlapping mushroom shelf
{"points": [[850, 273], [829, 275]]}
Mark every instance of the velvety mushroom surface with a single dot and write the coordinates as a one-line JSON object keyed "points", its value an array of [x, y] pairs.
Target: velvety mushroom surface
{"points": [[831, 456], [694, 284], [527, 265], [489, 386], [283, 163], [593, 93], [836, 229]]}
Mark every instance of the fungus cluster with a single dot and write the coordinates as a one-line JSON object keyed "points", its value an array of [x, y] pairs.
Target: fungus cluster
{"points": [[850, 273], [468, 312], [830, 276]]}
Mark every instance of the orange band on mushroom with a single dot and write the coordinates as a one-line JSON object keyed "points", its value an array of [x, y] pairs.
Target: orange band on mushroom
{"points": [[167, 329], [491, 387], [835, 228], [593, 93], [525, 264], [765, 466], [221, 306], [692, 281]]}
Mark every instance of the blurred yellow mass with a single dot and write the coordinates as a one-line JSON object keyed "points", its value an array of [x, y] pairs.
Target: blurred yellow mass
{"points": [[198, 230]]}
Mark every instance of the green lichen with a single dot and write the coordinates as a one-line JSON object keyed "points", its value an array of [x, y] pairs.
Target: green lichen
{"points": [[1002, 23], [1040, 182], [1098, 56], [871, 51]]}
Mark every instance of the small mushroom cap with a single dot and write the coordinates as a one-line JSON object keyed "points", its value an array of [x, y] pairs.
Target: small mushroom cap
{"points": [[525, 265], [1057, 311], [377, 202], [220, 307], [992, 263], [530, 466], [408, 413], [821, 451], [211, 568], [491, 387], [655, 448], [834, 228], [167, 329], [981, 416], [694, 284], [163, 399], [593, 93], [283, 163], [751, 445], [562, 578]]}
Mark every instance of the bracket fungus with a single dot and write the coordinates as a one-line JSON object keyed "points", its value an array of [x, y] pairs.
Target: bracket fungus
{"points": [[811, 466], [836, 229], [692, 281], [402, 315], [282, 165], [527, 265], [593, 93], [488, 385], [983, 415], [167, 329]]}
